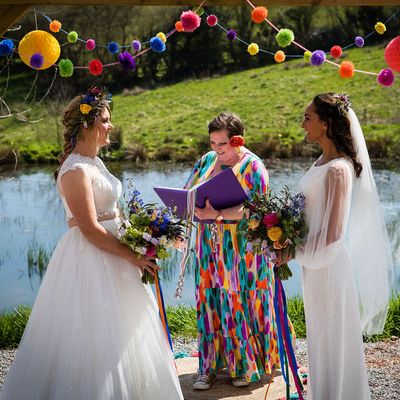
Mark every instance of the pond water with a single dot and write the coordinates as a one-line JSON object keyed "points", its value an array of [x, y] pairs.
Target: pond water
{"points": [[32, 220]]}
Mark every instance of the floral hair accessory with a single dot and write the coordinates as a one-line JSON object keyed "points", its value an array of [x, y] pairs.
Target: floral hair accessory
{"points": [[92, 104], [237, 141], [342, 102]]}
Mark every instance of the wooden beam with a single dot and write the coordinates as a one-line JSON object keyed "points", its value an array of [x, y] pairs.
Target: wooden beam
{"points": [[9, 14]]}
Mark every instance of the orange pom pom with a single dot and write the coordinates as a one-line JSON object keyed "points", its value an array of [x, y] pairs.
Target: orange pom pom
{"points": [[279, 56], [55, 26], [346, 69], [259, 14], [179, 26]]}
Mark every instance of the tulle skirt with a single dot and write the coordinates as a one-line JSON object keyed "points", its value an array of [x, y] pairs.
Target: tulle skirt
{"points": [[94, 332]]}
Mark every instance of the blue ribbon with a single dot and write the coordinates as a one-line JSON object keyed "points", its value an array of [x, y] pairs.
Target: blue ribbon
{"points": [[165, 313]]}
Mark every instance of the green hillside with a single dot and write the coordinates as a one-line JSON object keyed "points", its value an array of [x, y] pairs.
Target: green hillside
{"points": [[171, 122]]}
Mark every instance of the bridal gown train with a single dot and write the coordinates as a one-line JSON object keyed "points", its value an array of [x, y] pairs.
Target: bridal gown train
{"points": [[94, 332]]}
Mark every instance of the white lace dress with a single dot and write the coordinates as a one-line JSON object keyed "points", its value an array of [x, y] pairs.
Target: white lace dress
{"points": [[336, 359], [94, 332]]}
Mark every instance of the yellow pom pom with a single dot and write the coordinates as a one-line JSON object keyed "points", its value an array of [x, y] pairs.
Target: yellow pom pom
{"points": [[253, 49], [380, 28], [39, 42], [279, 57], [85, 109], [275, 233], [162, 36], [307, 56]]}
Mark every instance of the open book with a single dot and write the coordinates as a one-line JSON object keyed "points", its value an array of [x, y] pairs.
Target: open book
{"points": [[223, 191]]}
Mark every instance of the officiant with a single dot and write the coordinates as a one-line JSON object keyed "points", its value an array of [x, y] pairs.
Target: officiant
{"points": [[234, 288]]}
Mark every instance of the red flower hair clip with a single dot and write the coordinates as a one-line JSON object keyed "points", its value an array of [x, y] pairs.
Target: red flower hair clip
{"points": [[237, 141]]}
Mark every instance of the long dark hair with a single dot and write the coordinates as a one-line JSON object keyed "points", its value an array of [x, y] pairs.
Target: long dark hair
{"points": [[332, 108]]}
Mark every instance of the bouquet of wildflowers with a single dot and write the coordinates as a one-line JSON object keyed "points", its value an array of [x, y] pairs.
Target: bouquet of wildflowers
{"points": [[276, 222], [150, 230]]}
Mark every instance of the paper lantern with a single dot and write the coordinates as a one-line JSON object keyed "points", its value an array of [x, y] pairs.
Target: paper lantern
{"points": [[37, 44], [392, 54]]}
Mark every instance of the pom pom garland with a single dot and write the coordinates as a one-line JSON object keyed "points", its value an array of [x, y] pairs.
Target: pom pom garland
{"points": [[179, 26], [96, 67], [307, 56], [90, 44], [212, 20], [346, 69], [317, 58], [72, 37], [284, 37], [359, 41], [231, 34], [113, 47], [126, 61], [190, 21], [380, 28], [136, 45], [6, 48], [157, 44], [336, 51], [279, 56], [36, 61], [253, 49], [55, 26], [386, 77], [66, 68], [392, 54], [162, 36], [259, 14]]}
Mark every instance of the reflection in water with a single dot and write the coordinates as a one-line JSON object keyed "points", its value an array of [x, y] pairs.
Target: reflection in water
{"points": [[32, 220]]}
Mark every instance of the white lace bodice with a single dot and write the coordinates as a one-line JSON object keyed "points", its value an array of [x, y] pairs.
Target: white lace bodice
{"points": [[106, 188]]}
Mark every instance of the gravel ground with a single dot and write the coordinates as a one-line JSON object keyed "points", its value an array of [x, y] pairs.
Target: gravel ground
{"points": [[382, 358]]}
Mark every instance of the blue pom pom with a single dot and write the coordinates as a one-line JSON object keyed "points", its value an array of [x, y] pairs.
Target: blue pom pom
{"points": [[157, 44], [6, 47], [113, 47], [36, 61]]}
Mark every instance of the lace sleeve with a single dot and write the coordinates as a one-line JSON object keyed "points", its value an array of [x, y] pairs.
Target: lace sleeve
{"points": [[69, 165]]}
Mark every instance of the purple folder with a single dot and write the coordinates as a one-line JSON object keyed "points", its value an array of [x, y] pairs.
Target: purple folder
{"points": [[223, 191]]}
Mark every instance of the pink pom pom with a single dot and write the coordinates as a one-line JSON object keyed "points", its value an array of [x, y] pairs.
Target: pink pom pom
{"points": [[386, 77], [190, 21], [90, 44], [212, 20]]}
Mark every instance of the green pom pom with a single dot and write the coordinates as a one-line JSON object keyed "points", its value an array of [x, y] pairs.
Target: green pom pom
{"points": [[66, 68], [307, 56], [72, 37], [285, 37]]}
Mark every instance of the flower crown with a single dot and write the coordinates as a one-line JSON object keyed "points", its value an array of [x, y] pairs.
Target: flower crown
{"points": [[342, 102], [92, 103]]}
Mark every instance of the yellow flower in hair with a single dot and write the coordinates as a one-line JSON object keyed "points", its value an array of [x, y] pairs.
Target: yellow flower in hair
{"points": [[253, 224], [275, 233], [380, 28], [85, 109]]}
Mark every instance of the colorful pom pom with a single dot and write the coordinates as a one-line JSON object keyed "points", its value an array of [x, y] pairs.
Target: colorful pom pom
{"points": [[346, 69], [380, 27], [392, 54], [90, 44], [190, 21], [253, 49], [179, 26], [162, 36], [307, 56], [66, 68], [336, 51], [113, 47], [96, 67], [55, 26], [72, 37], [231, 34], [157, 44], [126, 61], [279, 56], [212, 20], [136, 45], [6, 47], [284, 37], [259, 14], [359, 41], [386, 77], [36, 60], [317, 58]]}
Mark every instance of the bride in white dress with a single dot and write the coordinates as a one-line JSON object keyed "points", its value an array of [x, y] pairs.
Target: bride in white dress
{"points": [[345, 258], [94, 332]]}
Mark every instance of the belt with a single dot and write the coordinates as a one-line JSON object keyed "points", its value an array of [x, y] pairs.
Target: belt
{"points": [[71, 223]]}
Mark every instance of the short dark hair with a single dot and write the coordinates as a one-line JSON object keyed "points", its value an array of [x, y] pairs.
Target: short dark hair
{"points": [[228, 121]]}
